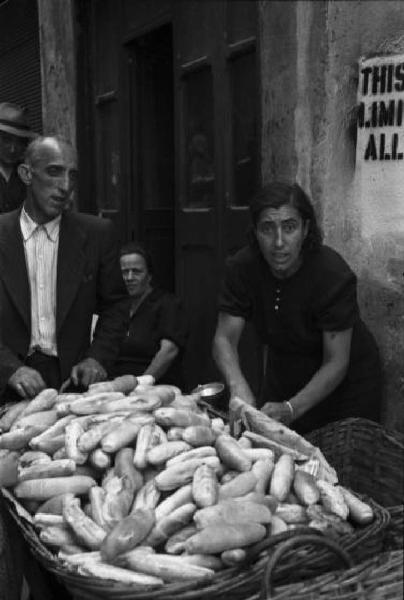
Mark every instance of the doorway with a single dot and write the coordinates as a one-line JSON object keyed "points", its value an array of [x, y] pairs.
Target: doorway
{"points": [[152, 193], [175, 100]]}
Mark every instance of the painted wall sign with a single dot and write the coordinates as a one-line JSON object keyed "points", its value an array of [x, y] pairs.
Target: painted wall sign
{"points": [[380, 145]]}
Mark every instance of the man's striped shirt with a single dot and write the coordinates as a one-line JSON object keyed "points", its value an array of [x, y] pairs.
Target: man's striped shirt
{"points": [[41, 244]]}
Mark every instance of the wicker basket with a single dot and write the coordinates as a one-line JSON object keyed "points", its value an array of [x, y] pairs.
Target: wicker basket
{"points": [[367, 457], [10, 572], [378, 578], [235, 583], [394, 536]]}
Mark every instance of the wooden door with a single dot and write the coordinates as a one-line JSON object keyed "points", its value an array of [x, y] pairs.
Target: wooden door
{"points": [[242, 143], [98, 111], [175, 93], [199, 185], [126, 122], [151, 197], [217, 151]]}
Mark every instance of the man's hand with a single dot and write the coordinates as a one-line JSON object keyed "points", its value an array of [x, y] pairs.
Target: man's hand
{"points": [[279, 411], [26, 382], [88, 371]]}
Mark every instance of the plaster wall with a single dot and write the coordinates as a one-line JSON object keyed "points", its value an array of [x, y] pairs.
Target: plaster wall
{"points": [[309, 62], [58, 67]]}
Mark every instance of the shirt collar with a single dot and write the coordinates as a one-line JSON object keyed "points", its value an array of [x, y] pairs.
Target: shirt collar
{"points": [[28, 226]]}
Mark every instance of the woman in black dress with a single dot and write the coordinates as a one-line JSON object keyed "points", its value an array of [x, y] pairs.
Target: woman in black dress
{"points": [[322, 363], [157, 331]]}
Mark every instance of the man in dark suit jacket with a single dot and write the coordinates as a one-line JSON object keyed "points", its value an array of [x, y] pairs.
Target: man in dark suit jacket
{"points": [[57, 268], [37, 348]]}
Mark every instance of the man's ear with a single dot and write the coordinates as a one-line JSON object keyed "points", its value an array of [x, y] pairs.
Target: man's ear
{"points": [[25, 173]]}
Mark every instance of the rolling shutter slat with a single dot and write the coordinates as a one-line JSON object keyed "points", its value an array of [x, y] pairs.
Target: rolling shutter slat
{"points": [[20, 69]]}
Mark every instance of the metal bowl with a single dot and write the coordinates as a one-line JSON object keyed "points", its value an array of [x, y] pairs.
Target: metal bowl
{"points": [[210, 391]]}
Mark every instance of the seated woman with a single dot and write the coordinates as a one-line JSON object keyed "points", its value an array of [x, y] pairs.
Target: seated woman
{"points": [[322, 363], [157, 331]]}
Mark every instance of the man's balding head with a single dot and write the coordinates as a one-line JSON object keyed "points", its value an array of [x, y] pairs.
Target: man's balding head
{"points": [[46, 146], [50, 174]]}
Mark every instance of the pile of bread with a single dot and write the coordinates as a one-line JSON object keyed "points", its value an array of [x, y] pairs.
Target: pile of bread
{"points": [[135, 482]]}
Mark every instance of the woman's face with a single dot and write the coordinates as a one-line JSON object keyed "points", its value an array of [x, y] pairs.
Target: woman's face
{"points": [[135, 274], [280, 235]]}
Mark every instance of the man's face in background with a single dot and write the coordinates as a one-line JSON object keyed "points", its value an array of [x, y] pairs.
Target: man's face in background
{"points": [[11, 149]]}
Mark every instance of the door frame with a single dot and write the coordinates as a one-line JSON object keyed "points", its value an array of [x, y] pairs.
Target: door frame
{"points": [[128, 126]]}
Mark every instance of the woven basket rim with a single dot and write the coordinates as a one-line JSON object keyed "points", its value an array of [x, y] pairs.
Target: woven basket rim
{"points": [[223, 581], [367, 457], [385, 570], [397, 437]]}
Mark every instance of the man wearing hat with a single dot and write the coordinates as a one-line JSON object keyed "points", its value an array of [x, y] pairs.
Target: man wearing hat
{"points": [[14, 136]]}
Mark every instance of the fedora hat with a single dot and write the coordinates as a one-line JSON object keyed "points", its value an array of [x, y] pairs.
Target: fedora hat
{"points": [[13, 120]]}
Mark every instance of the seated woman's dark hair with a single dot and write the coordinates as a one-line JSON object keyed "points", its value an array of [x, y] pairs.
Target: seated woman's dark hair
{"points": [[277, 194], [136, 248]]}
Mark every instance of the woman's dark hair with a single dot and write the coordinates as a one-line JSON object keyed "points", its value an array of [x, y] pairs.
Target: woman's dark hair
{"points": [[136, 248], [277, 194]]}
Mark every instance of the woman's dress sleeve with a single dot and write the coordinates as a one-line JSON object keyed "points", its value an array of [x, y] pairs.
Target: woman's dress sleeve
{"points": [[236, 295], [335, 305], [173, 321]]}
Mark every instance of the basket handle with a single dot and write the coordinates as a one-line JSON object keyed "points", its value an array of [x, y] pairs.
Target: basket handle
{"points": [[273, 540], [298, 540]]}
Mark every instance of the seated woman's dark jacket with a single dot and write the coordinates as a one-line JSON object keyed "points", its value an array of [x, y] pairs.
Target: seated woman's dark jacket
{"points": [[159, 316], [290, 316]]}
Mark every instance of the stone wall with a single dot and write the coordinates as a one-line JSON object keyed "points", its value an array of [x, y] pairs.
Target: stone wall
{"points": [[309, 67]]}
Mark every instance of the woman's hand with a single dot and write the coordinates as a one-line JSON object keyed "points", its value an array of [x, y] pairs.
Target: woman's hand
{"points": [[280, 411], [336, 353]]}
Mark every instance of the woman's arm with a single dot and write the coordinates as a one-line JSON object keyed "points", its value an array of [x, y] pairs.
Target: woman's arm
{"points": [[162, 359], [336, 354], [225, 354]]}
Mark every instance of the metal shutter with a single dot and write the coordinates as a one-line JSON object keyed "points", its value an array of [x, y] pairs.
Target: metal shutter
{"points": [[20, 68]]}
